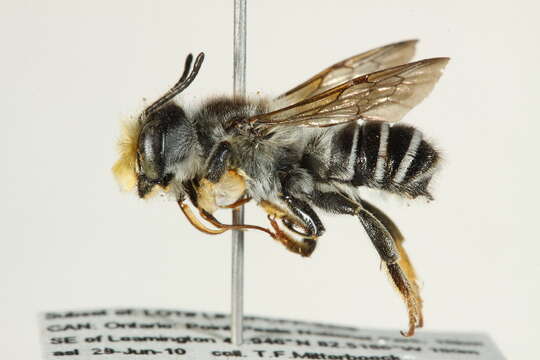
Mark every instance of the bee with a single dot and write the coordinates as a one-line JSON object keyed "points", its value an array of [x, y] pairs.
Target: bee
{"points": [[311, 148]]}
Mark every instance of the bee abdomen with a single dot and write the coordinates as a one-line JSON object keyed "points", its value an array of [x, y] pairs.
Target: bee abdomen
{"points": [[394, 158]]}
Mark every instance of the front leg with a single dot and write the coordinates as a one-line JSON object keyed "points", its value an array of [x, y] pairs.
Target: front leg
{"points": [[189, 189], [217, 163]]}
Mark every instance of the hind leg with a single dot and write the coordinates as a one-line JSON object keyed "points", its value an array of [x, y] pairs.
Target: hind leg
{"points": [[404, 260], [387, 240]]}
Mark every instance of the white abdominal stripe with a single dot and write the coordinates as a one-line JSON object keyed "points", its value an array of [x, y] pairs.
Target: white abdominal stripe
{"points": [[375, 154], [408, 158]]}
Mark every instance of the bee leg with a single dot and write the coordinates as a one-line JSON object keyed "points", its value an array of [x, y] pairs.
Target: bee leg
{"points": [[297, 184], [196, 223], [212, 220], [309, 220], [404, 260], [387, 240], [307, 245], [216, 165], [221, 228], [189, 189], [238, 203], [304, 248], [396, 265]]}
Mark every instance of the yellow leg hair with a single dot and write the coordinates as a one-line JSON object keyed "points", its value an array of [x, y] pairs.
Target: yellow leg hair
{"points": [[410, 274], [410, 296]]}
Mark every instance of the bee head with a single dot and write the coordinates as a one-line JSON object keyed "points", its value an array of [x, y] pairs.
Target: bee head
{"points": [[161, 138], [167, 137]]}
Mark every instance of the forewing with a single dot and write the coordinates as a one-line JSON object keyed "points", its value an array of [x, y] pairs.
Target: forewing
{"points": [[385, 95], [348, 69]]}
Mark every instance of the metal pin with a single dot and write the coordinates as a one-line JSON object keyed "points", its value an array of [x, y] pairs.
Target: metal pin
{"points": [[239, 89]]}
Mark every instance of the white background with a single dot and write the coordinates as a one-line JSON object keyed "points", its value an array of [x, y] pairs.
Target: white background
{"points": [[71, 70]]}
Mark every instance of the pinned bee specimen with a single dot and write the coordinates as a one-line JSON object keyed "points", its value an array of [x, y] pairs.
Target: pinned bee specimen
{"points": [[311, 148]]}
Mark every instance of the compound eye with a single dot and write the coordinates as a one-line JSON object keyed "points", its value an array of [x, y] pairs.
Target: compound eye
{"points": [[150, 152], [150, 169]]}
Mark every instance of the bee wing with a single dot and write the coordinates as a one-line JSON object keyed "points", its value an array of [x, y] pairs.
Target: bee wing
{"points": [[348, 69], [385, 95]]}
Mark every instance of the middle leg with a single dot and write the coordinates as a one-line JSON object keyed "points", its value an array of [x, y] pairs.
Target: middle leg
{"points": [[308, 226]]}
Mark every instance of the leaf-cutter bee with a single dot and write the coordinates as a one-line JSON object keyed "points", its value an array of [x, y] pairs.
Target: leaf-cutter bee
{"points": [[302, 151]]}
